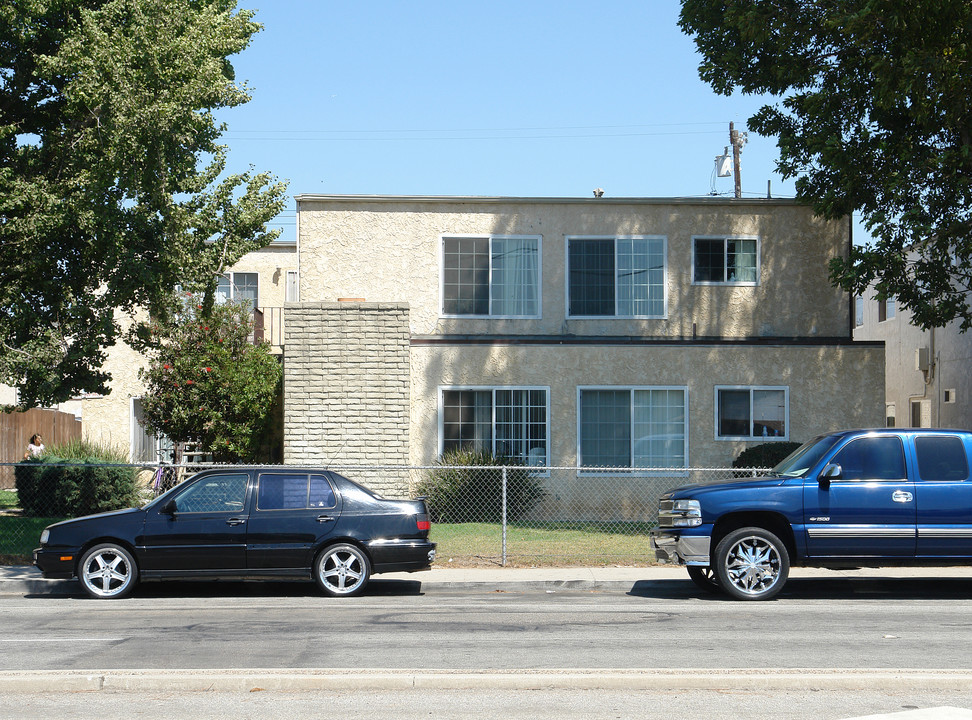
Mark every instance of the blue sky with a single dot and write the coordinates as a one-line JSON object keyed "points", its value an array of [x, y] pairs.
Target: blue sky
{"points": [[498, 98]]}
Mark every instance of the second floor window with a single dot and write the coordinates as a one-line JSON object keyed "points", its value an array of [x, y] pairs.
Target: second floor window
{"points": [[725, 260], [616, 277], [492, 276], [239, 287]]}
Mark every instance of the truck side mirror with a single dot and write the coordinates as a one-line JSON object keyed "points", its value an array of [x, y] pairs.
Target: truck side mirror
{"points": [[832, 471]]}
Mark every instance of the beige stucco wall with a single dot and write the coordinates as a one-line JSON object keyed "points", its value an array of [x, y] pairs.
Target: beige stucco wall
{"points": [[386, 249], [830, 387]]}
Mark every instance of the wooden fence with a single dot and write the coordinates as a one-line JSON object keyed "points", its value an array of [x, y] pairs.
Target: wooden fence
{"points": [[16, 428]]}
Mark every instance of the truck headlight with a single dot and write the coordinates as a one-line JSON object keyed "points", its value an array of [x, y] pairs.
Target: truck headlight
{"points": [[685, 513]]}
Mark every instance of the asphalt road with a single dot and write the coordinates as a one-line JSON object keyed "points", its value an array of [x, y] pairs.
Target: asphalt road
{"points": [[818, 624]]}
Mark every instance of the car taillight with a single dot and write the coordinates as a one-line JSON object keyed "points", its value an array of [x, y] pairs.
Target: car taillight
{"points": [[424, 525]]}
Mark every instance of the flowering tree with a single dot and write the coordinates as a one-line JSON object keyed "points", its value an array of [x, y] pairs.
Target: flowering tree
{"points": [[208, 383]]}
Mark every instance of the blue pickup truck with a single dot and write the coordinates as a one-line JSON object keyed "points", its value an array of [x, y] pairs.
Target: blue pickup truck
{"points": [[857, 498]]}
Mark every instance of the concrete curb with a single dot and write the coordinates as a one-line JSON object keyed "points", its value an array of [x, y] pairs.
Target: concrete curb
{"points": [[192, 680]]}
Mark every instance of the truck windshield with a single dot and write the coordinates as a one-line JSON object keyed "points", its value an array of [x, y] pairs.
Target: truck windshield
{"points": [[799, 462]]}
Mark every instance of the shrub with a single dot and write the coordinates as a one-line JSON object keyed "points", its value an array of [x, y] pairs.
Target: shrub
{"points": [[74, 479], [473, 492], [764, 455]]}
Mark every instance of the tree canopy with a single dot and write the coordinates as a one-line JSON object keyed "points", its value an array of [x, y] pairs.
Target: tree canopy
{"points": [[873, 113], [112, 183], [208, 383]]}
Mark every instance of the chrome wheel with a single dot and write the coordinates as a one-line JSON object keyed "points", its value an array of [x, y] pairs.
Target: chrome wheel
{"points": [[342, 570], [107, 571], [752, 564]]}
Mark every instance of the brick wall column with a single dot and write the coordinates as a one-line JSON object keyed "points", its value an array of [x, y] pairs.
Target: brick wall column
{"points": [[346, 388]]}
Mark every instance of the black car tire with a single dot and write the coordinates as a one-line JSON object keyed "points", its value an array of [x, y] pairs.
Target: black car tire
{"points": [[704, 577], [342, 570], [108, 572], [751, 563]]}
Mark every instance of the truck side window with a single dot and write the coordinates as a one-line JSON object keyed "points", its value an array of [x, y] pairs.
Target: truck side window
{"points": [[941, 458], [872, 458]]}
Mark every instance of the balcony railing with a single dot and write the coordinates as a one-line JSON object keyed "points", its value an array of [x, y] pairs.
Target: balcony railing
{"points": [[268, 325]]}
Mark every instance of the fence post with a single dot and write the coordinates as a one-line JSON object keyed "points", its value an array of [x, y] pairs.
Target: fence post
{"points": [[504, 517]]}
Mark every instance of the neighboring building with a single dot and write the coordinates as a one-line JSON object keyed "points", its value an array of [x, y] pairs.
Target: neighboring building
{"points": [[265, 278], [633, 333], [928, 381]]}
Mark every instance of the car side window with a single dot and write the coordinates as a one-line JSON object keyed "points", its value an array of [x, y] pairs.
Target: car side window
{"points": [[321, 493], [282, 491], [213, 493], [941, 458], [872, 458]]}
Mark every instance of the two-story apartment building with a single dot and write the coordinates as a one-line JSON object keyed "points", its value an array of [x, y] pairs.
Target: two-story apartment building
{"points": [[631, 333]]}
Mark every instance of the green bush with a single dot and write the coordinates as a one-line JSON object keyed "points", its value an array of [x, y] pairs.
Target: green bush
{"points": [[78, 478], [475, 494], [764, 455]]}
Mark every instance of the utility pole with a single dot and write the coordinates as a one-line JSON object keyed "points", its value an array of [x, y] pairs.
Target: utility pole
{"points": [[737, 141]]}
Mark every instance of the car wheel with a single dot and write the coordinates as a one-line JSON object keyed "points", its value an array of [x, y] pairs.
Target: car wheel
{"points": [[342, 570], [751, 564], [107, 571], [704, 577]]}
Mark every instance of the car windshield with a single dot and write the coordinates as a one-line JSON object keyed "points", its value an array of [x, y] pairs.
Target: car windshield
{"points": [[799, 462]]}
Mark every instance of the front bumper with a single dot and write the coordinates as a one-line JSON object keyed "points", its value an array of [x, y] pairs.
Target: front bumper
{"points": [[55, 564], [680, 548]]}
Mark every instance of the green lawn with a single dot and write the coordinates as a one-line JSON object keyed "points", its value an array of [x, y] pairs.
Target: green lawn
{"points": [[549, 544], [8, 499]]}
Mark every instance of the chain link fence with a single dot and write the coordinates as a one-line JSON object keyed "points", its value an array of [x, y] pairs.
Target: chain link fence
{"points": [[481, 516]]}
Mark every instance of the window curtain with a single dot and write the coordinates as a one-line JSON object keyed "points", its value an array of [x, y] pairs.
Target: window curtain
{"points": [[659, 429], [515, 276]]}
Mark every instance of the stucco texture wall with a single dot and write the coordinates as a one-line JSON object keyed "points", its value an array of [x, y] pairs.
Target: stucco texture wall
{"points": [[385, 250], [830, 387]]}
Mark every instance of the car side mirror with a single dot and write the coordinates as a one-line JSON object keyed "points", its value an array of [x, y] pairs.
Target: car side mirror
{"points": [[169, 508], [832, 471]]}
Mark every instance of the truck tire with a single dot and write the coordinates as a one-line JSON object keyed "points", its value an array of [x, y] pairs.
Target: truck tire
{"points": [[751, 563]]}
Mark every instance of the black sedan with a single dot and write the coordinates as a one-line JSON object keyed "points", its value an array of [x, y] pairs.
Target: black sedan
{"points": [[251, 523]]}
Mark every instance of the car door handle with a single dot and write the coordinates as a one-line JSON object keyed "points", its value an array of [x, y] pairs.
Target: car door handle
{"points": [[235, 521], [902, 497], [324, 518]]}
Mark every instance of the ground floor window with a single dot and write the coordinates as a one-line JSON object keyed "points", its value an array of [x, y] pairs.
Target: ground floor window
{"points": [[632, 427], [752, 412], [512, 422]]}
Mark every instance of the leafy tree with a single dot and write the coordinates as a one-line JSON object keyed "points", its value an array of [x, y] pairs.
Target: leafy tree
{"points": [[874, 114], [110, 177], [208, 383]]}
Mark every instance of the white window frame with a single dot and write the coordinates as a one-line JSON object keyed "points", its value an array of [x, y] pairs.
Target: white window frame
{"points": [[493, 389], [664, 252], [479, 236], [292, 289], [632, 471], [232, 284], [725, 260], [751, 437]]}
